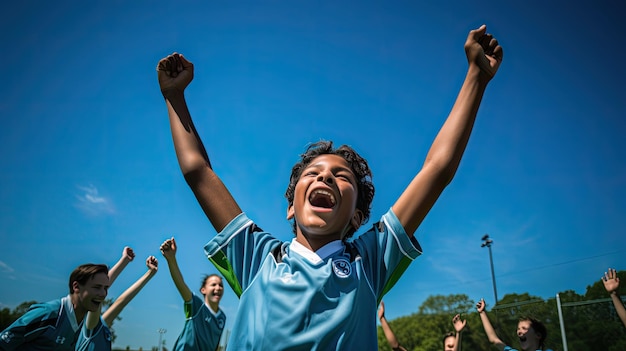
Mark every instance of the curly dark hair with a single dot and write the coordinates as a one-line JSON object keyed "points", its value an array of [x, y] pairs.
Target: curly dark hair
{"points": [[359, 167]]}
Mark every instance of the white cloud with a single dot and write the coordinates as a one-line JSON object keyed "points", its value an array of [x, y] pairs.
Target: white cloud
{"points": [[7, 271], [5, 268], [90, 202]]}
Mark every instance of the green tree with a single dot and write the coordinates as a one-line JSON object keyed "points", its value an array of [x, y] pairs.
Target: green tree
{"points": [[7, 316]]}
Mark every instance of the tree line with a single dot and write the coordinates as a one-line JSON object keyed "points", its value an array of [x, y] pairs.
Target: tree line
{"points": [[589, 320]]}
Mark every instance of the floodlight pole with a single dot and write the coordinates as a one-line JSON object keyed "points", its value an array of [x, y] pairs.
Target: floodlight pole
{"points": [[487, 242], [161, 331]]}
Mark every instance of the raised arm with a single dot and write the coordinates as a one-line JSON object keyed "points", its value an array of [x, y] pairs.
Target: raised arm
{"points": [[114, 310], [491, 333], [611, 284], [484, 56], [391, 337], [92, 319], [127, 256], [459, 325], [168, 249], [175, 73]]}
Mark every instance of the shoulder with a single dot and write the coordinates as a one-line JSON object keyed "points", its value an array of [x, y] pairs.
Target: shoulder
{"points": [[44, 310]]}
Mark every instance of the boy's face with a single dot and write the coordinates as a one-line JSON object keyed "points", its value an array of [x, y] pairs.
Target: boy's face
{"points": [[213, 289], [92, 294], [324, 203], [528, 338], [448, 343]]}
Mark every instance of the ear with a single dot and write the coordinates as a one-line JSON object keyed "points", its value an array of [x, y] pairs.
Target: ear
{"points": [[290, 212], [75, 287], [202, 290], [357, 219]]}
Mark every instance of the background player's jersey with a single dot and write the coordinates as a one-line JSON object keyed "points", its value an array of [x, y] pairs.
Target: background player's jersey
{"points": [[45, 326]]}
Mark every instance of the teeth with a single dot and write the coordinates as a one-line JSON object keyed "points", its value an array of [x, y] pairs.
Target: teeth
{"points": [[324, 192]]}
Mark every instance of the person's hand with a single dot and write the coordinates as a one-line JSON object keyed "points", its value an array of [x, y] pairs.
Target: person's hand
{"points": [[128, 254], [168, 248], [480, 305], [152, 263], [381, 310], [458, 323], [610, 280], [483, 50], [174, 73]]}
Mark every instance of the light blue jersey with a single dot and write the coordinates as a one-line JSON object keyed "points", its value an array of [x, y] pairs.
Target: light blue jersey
{"points": [[45, 326], [296, 299], [203, 328], [96, 339]]}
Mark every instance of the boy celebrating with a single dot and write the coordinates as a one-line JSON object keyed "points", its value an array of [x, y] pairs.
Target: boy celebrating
{"points": [[95, 334], [304, 294], [55, 325]]}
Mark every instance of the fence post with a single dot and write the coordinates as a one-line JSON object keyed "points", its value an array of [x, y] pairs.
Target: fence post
{"points": [[563, 336]]}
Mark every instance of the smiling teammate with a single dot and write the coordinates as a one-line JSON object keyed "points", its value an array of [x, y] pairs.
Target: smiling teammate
{"points": [[55, 325], [531, 333], [303, 294], [204, 319], [95, 334]]}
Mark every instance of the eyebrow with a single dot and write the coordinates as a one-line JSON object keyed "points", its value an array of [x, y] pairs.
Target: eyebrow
{"points": [[335, 168]]}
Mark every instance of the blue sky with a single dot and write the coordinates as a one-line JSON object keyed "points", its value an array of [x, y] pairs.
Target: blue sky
{"points": [[88, 165]]}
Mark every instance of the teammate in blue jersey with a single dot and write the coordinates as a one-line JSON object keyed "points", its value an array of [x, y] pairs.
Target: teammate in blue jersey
{"points": [[532, 333], [204, 319], [55, 325], [321, 290], [95, 334]]}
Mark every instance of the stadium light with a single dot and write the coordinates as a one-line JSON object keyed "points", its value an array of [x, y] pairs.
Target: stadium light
{"points": [[487, 242], [161, 331]]}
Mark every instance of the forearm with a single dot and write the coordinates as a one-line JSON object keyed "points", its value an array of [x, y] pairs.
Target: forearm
{"points": [[177, 277], [444, 156], [211, 193], [116, 308], [115, 271], [457, 343], [619, 307], [190, 151], [389, 335], [491, 333], [91, 321]]}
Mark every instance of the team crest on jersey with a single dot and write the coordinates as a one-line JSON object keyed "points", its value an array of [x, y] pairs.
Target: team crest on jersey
{"points": [[6, 336], [342, 267], [220, 323]]}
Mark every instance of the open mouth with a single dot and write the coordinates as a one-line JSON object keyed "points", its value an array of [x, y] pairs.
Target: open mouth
{"points": [[322, 198]]}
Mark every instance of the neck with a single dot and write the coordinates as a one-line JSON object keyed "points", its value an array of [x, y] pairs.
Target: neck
{"points": [[79, 312], [214, 306]]}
